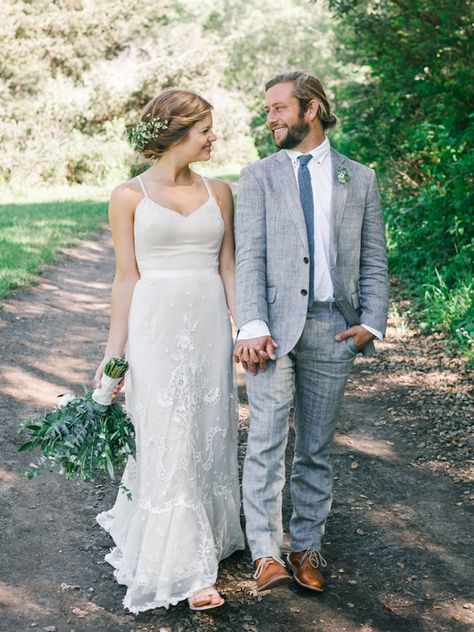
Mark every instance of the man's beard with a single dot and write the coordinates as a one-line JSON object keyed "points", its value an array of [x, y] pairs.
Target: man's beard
{"points": [[294, 136]]}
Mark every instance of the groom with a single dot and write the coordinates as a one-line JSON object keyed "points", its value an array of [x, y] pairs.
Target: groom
{"points": [[312, 291]]}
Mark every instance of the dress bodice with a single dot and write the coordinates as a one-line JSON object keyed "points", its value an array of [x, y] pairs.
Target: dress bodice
{"points": [[167, 242]]}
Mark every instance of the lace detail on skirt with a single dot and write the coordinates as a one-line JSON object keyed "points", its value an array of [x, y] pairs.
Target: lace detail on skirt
{"points": [[184, 516]]}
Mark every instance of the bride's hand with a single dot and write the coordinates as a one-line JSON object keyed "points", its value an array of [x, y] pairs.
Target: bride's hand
{"points": [[118, 388], [98, 376], [99, 373]]}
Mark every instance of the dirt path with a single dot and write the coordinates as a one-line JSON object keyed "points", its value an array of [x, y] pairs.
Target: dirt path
{"points": [[398, 540]]}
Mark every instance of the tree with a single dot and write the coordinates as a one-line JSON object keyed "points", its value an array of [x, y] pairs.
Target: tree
{"points": [[408, 112], [73, 73]]}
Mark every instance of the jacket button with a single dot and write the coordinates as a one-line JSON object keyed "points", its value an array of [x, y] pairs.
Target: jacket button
{"points": [[304, 292], [305, 259]]}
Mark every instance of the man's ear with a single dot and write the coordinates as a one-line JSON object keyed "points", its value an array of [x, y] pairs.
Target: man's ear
{"points": [[312, 109]]}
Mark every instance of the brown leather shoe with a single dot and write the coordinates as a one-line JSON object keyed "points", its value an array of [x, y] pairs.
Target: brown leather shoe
{"points": [[305, 566], [270, 572]]}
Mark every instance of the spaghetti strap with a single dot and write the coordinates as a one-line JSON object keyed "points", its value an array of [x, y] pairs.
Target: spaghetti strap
{"points": [[142, 186], [208, 188]]}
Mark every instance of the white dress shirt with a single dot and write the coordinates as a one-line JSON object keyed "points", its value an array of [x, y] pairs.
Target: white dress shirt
{"points": [[320, 169]]}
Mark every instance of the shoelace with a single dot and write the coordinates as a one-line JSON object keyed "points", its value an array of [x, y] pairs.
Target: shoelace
{"points": [[314, 558], [263, 562]]}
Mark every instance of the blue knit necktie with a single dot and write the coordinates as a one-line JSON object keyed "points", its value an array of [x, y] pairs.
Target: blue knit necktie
{"points": [[306, 197]]}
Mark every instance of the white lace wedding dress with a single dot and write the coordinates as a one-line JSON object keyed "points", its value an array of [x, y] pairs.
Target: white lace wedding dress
{"points": [[184, 513]]}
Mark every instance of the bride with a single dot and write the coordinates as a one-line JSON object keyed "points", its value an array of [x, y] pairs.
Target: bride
{"points": [[171, 297]]}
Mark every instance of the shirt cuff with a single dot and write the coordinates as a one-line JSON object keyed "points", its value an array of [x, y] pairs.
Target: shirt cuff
{"points": [[378, 334], [253, 329]]}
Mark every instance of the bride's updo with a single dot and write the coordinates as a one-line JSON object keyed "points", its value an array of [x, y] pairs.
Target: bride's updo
{"points": [[167, 120]]}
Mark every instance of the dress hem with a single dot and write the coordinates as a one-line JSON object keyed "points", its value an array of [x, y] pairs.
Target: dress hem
{"points": [[209, 581]]}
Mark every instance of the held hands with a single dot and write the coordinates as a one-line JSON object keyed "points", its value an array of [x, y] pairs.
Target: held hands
{"points": [[360, 335], [255, 352]]}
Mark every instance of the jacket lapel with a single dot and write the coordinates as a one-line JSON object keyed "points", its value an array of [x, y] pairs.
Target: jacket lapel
{"points": [[338, 201], [288, 191]]}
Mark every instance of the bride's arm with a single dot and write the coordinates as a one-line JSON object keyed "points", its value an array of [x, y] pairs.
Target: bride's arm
{"points": [[227, 253], [123, 202]]}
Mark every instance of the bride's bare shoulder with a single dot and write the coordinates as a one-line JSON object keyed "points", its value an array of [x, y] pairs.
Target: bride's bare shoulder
{"points": [[126, 195], [222, 190]]}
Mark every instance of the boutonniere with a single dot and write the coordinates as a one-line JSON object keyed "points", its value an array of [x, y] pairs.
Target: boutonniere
{"points": [[343, 175]]}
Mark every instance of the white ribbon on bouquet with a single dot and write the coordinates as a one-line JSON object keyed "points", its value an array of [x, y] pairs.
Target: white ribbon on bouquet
{"points": [[103, 394]]}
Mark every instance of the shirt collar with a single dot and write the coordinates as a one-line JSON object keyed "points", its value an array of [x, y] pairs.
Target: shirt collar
{"points": [[319, 153]]}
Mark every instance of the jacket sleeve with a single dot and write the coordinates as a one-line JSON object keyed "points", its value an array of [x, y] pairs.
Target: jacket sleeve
{"points": [[373, 280], [251, 247]]}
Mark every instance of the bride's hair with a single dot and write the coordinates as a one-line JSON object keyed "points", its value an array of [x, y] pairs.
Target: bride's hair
{"points": [[306, 89], [179, 109]]}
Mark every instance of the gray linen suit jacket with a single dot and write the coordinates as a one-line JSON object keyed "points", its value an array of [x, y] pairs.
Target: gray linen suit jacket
{"points": [[272, 244]]}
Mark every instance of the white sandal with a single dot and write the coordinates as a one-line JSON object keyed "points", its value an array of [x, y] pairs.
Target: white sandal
{"points": [[208, 592]]}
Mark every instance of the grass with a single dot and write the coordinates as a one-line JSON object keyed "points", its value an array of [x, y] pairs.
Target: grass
{"points": [[451, 309], [37, 223], [228, 173], [33, 233], [435, 306]]}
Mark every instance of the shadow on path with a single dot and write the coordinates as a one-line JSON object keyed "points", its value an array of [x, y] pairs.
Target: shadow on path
{"points": [[397, 541]]}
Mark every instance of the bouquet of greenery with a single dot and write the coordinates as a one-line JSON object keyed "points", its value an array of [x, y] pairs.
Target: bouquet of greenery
{"points": [[84, 436]]}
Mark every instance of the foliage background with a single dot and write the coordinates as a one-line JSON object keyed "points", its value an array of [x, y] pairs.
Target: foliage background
{"points": [[73, 73], [408, 113]]}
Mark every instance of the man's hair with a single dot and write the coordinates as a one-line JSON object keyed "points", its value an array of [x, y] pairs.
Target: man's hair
{"points": [[306, 88]]}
